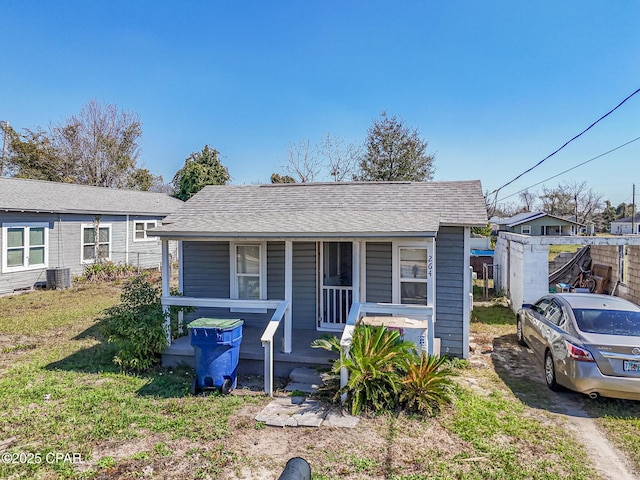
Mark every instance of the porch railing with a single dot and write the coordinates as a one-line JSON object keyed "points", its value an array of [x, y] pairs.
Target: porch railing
{"points": [[282, 307], [336, 302], [358, 310], [267, 344]]}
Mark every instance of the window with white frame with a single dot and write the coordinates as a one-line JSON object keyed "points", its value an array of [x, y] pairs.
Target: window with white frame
{"points": [[526, 229], [248, 270], [96, 243], [140, 228], [24, 246], [414, 273]]}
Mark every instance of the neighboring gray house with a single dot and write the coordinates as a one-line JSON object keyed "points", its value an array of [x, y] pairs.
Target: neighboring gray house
{"points": [[536, 223], [49, 225], [319, 255], [625, 226]]}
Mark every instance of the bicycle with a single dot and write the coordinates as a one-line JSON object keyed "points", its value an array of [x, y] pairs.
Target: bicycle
{"points": [[585, 280]]}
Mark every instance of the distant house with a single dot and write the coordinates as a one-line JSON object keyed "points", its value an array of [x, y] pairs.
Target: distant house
{"points": [[318, 255], [51, 226], [536, 224], [624, 226]]}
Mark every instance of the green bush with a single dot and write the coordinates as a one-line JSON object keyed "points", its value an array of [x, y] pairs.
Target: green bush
{"points": [[107, 271], [386, 372], [136, 325], [427, 384]]}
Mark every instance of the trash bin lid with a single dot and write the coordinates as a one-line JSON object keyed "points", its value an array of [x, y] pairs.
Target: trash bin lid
{"points": [[219, 323]]}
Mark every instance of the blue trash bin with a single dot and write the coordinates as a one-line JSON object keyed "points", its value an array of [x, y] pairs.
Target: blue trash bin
{"points": [[216, 342]]}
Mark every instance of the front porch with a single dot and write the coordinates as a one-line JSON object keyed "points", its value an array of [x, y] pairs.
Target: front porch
{"points": [[251, 362]]}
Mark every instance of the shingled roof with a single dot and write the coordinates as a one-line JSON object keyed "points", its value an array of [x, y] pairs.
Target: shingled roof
{"points": [[22, 195], [328, 209]]}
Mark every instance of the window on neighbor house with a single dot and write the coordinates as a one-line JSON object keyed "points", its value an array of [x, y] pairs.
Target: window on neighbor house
{"points": [[140, 228], [25, 247], [96, 243], [526, 229]]}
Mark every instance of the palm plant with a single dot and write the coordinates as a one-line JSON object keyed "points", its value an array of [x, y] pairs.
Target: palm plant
{"points": [[427, 385], [376, 362]]}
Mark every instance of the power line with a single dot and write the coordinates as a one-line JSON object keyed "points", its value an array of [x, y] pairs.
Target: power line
{"points": [[569, 169], [565, 144]]}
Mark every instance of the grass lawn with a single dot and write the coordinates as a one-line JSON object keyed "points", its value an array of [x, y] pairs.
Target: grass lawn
{"points": [[66, 411]]}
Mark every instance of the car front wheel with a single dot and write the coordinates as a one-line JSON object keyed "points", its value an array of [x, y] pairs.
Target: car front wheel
{"points": [[519, 334], [550, 372]]}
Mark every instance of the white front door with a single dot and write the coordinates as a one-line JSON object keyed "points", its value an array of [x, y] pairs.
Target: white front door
{"points": [[336, 284]]}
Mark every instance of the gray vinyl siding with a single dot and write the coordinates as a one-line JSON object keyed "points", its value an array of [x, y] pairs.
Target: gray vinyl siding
{"points": [[449, 289], [207, 274], [147, 253], [64, 245], [275, 270], [305, 290], [206, 269], [379, 272]]}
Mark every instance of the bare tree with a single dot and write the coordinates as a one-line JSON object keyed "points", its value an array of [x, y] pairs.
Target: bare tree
{"points": [[340, 157], [102, 144], [572, 199], [303, 162], [528, 200]]}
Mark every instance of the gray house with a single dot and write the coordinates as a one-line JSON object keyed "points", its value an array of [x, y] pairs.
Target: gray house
{"points": [[319, 257], [47, 226], [536, 223]]}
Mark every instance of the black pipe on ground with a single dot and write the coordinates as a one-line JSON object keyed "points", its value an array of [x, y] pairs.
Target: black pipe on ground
{"points": [[296, 469]]}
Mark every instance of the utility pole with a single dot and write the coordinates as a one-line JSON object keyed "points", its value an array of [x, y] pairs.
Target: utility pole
{"points": [[5, 126], [633, 210]]}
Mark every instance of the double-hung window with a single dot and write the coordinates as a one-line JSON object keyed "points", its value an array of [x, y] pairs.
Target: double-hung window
{"points": [[413, 273], [140, 228], [24, 246], [248, 271], [96, 243]]}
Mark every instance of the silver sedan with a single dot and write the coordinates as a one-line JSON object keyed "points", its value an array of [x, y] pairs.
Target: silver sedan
{"points": [[588, 343]]}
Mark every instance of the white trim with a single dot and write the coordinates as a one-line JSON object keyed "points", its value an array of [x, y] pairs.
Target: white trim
{"points": [[110, 242], [26, 226], [355, 271], [126, 239], [363, 272], [144, 230], [467, 293], [262, 274], [288, 293], [397, 245]]}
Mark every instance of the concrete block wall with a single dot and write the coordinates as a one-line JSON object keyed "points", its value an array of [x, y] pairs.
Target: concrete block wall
{"points": [[608, 255]]}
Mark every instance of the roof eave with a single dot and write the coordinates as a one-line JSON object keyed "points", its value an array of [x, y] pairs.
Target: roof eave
{"points": [[168, 234]]}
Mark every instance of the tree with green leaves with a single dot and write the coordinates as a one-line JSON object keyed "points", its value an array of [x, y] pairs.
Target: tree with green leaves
{"points": [[200, 169], [395, 152], [277, 178], [33, 154]]}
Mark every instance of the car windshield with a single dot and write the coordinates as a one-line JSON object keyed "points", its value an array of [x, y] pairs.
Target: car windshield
{"points": [[608, 322]]}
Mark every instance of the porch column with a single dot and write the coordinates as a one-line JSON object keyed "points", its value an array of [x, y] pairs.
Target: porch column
{"points": [[166, 290], [288, 292], [355, 284]]}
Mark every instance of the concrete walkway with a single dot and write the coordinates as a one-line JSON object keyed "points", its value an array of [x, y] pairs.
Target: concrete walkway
{"points": [[302, 411]]}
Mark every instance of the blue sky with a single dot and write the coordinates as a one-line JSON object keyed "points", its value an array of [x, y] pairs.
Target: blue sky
{"points": [[493, 86]]}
